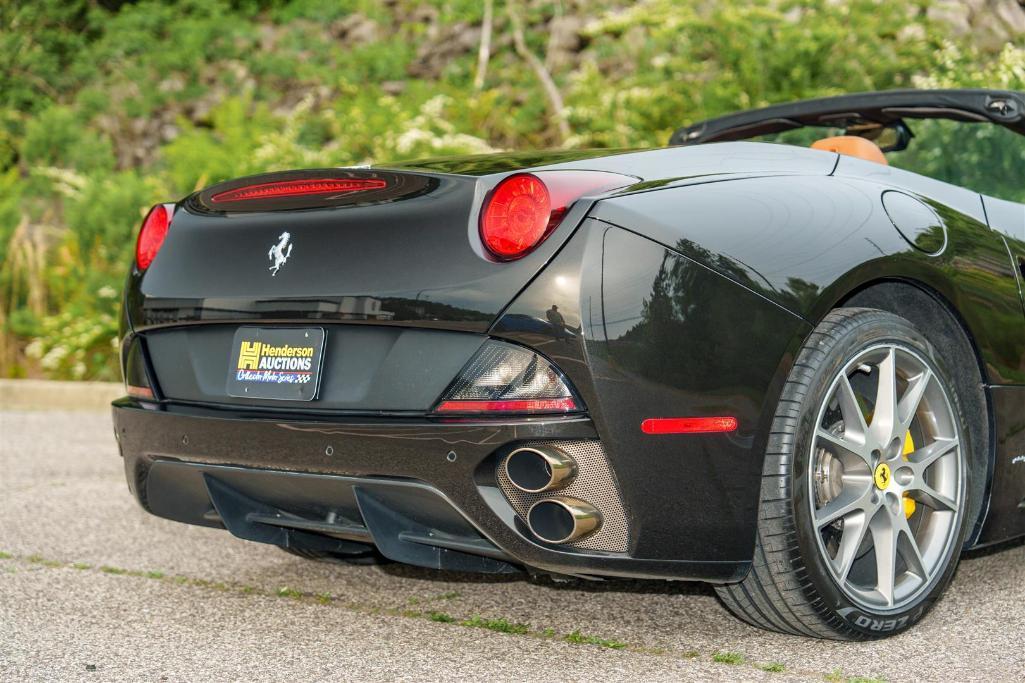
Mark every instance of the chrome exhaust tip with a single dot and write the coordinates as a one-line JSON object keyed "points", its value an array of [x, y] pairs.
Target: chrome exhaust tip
{"points": [[563, 520], [537, 469]]}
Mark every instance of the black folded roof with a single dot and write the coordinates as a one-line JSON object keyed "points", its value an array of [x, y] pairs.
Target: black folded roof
{"points": [[1002, 107]]}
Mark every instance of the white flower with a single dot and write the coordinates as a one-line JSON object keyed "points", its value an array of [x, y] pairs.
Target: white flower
{"points": [[53, 358], [34, 349]]}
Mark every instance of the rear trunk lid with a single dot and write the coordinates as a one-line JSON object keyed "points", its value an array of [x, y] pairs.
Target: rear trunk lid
{"points": [[406, 253]]}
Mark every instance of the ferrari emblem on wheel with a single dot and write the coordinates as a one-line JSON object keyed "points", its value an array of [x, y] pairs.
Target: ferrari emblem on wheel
{"points": [[882, 476], [279, 253]]}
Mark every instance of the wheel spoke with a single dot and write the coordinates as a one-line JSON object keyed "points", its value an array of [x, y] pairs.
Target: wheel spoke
{"points": [[884, 414], [855, 527], [924, 493], [910, 551], [884, 541], [855, 427], [923, 458], [843, 448], [847, 502], [909, 402]]}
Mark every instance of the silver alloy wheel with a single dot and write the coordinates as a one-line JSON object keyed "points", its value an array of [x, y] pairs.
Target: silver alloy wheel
{"points": [[885, 518]]}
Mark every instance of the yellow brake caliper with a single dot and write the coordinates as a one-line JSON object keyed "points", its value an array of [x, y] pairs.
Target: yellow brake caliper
{"points": [[909, 502]]}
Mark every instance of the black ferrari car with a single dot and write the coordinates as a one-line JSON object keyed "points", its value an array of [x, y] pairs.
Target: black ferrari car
{"points": [[784, 354]]}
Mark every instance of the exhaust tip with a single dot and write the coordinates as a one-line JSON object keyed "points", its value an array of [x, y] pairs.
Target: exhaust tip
{"points": [[563, 520], [539, 469]]}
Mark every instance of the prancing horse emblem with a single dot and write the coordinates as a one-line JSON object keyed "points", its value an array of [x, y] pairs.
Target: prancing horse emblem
{"points": [[279, 253]]}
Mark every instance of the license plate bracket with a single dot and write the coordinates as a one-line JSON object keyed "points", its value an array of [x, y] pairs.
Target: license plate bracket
{"points": [[277, 363]]}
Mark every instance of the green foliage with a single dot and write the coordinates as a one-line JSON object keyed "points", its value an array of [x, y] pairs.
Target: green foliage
{"points": [[109, 107], [728, 658], [706, 59], [57, 137]]}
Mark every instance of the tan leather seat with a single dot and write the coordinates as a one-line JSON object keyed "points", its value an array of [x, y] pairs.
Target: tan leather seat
{"points": [[853, 146]]}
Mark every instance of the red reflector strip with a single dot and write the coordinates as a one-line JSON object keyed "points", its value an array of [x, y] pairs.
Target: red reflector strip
{"points": [[139, 392], [295, 188], [541, 405], [688, 425]]}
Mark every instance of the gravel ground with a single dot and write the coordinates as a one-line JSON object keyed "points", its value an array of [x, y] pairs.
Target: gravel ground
{"points": [[93, 588]]}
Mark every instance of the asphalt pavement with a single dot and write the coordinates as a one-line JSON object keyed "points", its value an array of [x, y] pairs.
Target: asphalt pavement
{"points": [[92, 588]]}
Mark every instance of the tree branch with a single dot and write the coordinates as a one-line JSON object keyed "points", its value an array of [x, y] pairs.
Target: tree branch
{"points": [[484, 52], [551, 90]]}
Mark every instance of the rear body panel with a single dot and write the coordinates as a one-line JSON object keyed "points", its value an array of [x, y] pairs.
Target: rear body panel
{"points": [[366, 369]]}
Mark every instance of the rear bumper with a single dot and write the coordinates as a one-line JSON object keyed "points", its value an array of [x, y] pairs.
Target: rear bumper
{"points": [[425, 492]]}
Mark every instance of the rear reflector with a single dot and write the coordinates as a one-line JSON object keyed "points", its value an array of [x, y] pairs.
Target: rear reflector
{"points": [[688, 425], [538, 405], [298, 188]]}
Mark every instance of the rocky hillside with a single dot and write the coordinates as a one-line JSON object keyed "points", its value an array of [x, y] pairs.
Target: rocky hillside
{"points": [[107, 107]]}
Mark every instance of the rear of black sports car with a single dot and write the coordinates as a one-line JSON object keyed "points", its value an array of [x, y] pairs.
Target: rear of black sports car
{"points": [[419, 362], [795, 373]]}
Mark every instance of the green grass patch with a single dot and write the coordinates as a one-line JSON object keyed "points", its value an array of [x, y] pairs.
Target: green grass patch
{"points": [[81, 566], [441, 617], [117, 571], [578, 638], [286, 592], [499, 625], [6, 556], [728, 658], [773, 667], [40, 560], [154, 575]]}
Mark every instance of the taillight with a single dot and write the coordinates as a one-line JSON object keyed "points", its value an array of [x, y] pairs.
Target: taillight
{"points": [[523, 209], [504, 378], [298, 188], [151, 236]]}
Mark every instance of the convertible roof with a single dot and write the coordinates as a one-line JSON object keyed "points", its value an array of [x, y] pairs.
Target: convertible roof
{"points": [[1004, 107]]}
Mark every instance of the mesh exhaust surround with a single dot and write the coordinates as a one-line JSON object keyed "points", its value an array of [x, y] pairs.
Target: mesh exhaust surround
{"points": [[594, 484]]}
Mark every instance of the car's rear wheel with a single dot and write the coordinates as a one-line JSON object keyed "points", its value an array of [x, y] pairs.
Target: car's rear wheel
{"points": [[864, 491]]}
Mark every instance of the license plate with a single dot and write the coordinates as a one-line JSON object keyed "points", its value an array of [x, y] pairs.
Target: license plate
{"points": [[281, 363]]}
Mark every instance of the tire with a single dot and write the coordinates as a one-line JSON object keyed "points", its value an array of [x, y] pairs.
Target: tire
{"points": [[813, 574], [368, 557]]}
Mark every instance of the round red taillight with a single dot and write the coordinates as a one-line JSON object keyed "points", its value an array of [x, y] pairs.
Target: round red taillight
{"points": [[151, 236], [516, 216], [525, 208]]}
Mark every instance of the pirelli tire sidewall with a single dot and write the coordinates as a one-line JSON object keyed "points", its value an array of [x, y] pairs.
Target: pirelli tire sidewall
{"points": [[876, 327]]}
